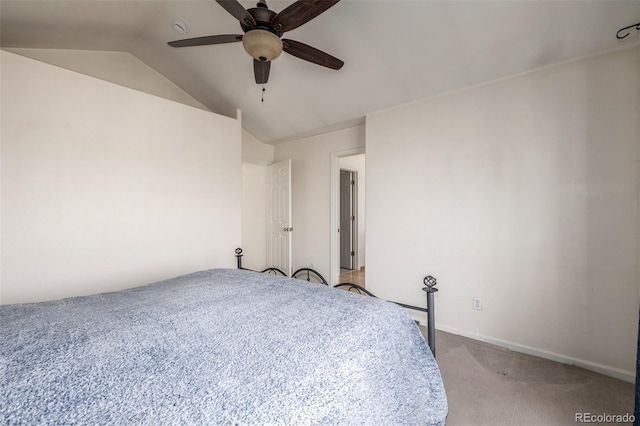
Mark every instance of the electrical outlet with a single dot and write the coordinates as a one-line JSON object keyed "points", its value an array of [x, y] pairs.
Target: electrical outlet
{"points": [[477, 303]]}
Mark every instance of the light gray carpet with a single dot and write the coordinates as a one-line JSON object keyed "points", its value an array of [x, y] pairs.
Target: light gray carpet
{"points": [[489, 385]]}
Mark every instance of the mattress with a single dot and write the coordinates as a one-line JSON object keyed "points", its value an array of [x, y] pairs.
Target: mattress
{"points": [[217, 347]]}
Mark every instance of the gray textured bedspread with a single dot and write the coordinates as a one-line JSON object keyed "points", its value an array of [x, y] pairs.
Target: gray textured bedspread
{"points": [[217, 347]]}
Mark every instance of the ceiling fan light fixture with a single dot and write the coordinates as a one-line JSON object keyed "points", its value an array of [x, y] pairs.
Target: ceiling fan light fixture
{"points": [[262, 45]]}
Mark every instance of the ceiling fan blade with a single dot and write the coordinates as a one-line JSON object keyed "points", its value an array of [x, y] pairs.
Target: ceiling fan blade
{"points": [[311, 54], [299, 13], [207, 40], [239, 12], [261, 71]]}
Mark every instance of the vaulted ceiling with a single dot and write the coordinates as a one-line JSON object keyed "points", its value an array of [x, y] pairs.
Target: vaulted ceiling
{"points": [[394, 51]]}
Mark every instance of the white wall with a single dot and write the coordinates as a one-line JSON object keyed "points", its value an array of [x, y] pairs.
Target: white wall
{"points": [[311, 193], [357, 163], [117, 67], [254, 151], [256, 156], [523, 192], [104, 187], [254, 216]]}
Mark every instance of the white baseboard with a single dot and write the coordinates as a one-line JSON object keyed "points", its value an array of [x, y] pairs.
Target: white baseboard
{"points": [[617, 373]]}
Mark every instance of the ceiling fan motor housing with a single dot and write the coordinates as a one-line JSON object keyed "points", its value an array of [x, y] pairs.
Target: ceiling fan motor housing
{"points": [[262, 17]]}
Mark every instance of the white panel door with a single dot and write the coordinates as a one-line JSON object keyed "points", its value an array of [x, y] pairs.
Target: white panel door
{"points": [[279, 216]]}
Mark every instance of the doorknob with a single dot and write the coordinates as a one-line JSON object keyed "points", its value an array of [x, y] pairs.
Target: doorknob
{"points": [[287, 229]]}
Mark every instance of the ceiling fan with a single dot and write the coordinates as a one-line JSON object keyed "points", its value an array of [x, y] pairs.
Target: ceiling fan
{"points": [[263, 29]]}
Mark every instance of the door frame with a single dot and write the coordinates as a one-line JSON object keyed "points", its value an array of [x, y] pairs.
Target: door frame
{"points": [[334, 258], [354, 223]]}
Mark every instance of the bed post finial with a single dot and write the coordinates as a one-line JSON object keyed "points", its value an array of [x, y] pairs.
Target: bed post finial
{"points": [[430, 289], [239, 257]]}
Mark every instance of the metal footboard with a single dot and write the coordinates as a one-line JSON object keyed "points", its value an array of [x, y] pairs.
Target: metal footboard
{"points": [[312, 275]]}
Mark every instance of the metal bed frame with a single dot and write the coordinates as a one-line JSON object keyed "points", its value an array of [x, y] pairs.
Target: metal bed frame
{"points": [[312, 275]]}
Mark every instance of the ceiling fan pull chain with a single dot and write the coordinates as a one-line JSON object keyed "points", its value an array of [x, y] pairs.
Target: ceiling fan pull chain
{"points": [[263, 90]]}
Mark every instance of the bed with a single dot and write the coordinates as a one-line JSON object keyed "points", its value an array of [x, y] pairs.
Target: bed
{"points": [[223, 346], [311, 275]]}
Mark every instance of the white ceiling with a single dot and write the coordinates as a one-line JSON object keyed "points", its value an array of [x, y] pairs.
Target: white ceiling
{"points": [[394, 51]]}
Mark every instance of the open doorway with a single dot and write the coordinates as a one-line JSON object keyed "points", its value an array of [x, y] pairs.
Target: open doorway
{"points": [[348, 182]]}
